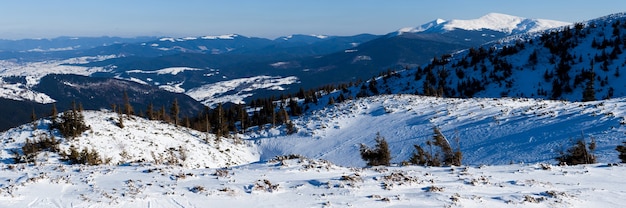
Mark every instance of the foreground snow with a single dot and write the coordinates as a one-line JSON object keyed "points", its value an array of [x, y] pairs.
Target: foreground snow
{"points": [[311, 183], [140, 140], [155, 164]]}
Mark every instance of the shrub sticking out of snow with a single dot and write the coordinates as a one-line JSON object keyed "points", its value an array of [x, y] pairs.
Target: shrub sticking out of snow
{"points": [[140, 141]]}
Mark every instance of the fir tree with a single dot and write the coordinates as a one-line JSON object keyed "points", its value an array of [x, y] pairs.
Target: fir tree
{"points": [[445, 156], [622, 152], [120, 120], [221, 127], [150, 112], [54, 112], [450, 157], [72, 123], [162, 115], [128, 109], [243, 117], [580, 153], [589, 94], [187, 122], [380, 155], [291, 127], [208, 126], [331, 101], [33, 119], [175, 110]]}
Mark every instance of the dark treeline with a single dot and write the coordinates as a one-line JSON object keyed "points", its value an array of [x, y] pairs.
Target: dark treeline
{"points": [[223, 120]]}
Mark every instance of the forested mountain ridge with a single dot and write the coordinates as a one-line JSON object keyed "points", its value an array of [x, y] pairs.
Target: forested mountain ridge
{"points": [[580, 62]]}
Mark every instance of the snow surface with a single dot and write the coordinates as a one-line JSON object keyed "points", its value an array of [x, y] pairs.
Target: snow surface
{"points": [[421, 28], [279, 64], [527, 79], [493, 21], [508, 147], [245, 174], [34, 71], [170, 70], [175, 87], [20, 91], [504, 23], [490, 131], [311, 35], [236, 90], [208, 37], [54, 49], [142, 141], [311, 183], [223, 37]]}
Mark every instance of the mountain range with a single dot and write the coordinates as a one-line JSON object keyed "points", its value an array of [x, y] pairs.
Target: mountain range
{"points": [[581, 62], [238, 63], [511, 100]]}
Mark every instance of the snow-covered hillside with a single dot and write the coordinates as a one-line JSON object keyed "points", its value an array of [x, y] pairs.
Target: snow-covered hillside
{"points": [[498, 131], [556, 64], [32, 72], [236, 90], [490, 131], [509, 145], [311, 183], [140, 141], [140, 171], [493, 21]]}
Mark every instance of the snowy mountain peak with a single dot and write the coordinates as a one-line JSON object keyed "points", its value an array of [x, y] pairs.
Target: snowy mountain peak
{"points": [[300, 37], [504, 23], [208, 37], [223, 37], [421, 28], [493, 21]]}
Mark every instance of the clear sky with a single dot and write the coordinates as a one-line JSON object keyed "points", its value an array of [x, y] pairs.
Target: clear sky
{"points": [[266, 18]]}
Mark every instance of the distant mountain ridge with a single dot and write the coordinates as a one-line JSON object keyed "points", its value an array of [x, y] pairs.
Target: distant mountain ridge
{"points": [[580, 62], [493, 21], [226, 68], [66, 43]]}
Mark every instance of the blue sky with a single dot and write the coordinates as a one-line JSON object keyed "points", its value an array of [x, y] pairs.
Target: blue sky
{"points": [[266, 18]]}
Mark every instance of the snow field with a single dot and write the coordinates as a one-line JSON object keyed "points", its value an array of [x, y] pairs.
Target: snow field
{"points": [[311, 183], [489, 131], [140, 141]]}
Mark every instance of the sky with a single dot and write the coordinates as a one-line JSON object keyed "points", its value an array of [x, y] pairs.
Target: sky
{"points": [[266, 18]]}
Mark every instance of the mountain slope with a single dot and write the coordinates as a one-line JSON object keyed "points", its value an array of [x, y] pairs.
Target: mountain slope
{"points": [[139, 141], [414, 46], [557, 64], [303, 182], [493, 21], [153, 163], [490, 131], [95, 93], [65, 43]]}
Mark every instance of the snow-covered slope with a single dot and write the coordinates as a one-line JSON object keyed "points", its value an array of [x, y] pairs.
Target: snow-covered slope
{"points": [[32, 72], [140, 141], [236, 90], [310, 183], [493, 21], [490, 131], [169, 70], [556, 64]]}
